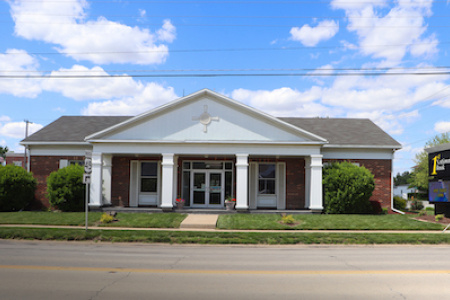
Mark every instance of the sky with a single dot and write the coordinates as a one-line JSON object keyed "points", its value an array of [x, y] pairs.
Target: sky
{"points": [[379, 59]]}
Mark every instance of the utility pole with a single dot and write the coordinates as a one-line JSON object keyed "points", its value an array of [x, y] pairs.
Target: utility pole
{"points": [[25, 152]]}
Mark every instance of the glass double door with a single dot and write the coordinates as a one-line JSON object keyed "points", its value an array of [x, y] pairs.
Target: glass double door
{"points": [[207, 188]]}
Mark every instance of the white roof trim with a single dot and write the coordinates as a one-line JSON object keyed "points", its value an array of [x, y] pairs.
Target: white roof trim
{"points": [[203, 92], [55, 143], [395, 147], [207, 142]]}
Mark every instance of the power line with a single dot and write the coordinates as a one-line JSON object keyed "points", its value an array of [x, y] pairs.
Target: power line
{"points": [[219, 50], [165, 75], [422, 69]]}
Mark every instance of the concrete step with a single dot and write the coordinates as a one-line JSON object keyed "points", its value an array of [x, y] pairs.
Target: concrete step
{"points": [[199, 221]]}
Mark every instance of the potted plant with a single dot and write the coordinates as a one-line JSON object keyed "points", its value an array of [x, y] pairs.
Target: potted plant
{"points": [[230, 203], [179, 203]]}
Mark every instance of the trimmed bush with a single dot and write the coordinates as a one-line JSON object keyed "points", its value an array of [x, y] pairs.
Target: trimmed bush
{"points": [[65, 188], [347, 189], [17, 188], [399, 203]]}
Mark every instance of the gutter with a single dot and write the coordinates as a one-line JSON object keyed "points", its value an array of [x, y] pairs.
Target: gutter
{"points": [[392, 187]]}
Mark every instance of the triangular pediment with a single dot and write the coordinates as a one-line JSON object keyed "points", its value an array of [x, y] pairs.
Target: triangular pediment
{"points": [[205, 116]]}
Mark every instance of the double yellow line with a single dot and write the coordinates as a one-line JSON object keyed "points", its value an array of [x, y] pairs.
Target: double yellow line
{"points": [[218, 272]]}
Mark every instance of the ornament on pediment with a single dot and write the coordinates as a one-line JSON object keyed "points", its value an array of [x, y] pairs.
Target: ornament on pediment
{"points": [[205, 118]]}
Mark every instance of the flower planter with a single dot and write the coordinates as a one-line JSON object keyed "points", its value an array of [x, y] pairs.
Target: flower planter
{"points": [[180, 205], [230, 205]]}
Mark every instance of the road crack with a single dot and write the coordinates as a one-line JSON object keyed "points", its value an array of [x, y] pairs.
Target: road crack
{"points": [[110, 284]]}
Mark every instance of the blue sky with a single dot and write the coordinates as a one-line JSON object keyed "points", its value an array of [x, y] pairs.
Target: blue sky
{"points": [[41, 40]]}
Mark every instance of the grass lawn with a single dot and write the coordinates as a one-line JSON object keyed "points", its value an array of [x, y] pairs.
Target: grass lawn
{"points": [[252, 238], [172, 220], [325, 222]]}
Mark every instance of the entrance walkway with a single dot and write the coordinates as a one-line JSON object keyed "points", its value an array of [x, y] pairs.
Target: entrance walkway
{"points": [[199, 221]]}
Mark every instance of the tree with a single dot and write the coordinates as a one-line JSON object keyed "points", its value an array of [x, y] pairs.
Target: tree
{"points": [[420, 174], [3, 151], [404, 178]]}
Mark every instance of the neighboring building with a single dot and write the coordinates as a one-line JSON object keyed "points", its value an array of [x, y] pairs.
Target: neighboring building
{"points": [[439, 174], [205, 147], [16, 159], [403, 190]]}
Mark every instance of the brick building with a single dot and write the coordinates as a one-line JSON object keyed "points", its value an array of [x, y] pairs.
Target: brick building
{"points": [[206, 147]]}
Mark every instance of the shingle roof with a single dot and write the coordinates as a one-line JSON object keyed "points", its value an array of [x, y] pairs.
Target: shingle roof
{"points": [[350, 132], [74, 128], [358, 132]]}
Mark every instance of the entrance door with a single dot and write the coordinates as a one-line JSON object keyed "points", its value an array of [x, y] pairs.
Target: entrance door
{"points": [[207, 189]]}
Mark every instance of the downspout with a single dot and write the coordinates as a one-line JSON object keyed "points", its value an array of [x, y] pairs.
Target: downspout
{"points": [[28, 159], [392, 186]]}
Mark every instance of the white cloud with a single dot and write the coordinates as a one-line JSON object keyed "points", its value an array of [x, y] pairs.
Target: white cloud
{"points": [[91, 88], [393, 35], [442, 127], [23, 64], [100, 41], [17, 129], [5, 119], [150, 96], [311, 36], [167, 33], [284, 102]]}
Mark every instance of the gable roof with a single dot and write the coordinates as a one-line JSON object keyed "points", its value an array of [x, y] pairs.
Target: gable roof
{"points": [[206, 93], [73, 128], [346, 132], [338, 132]]}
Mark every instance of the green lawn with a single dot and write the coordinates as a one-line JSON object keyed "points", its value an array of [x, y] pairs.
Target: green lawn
{"points": [[172, 220], [325, 222], [197, 237]]}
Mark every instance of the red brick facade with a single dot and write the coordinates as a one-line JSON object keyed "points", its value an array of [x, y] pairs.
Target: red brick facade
{"points": [[41, 167], [382, 171], [295, 183]]}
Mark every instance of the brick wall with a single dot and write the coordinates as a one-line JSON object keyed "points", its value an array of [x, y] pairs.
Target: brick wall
{"points": [[120, 179], [381, 169], [41, 167], [295, 183]]}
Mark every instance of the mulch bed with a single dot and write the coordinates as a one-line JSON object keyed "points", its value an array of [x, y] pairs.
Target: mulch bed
{"points": [[433, 220]]}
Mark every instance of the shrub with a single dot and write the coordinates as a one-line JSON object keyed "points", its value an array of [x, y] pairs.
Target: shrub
{"points": [[439, 218], [106, 218], [429, 208], [385, 211], [287, 219], [416, 205], [422, 213], [65, 188], [347, 189], [399, 203], [17, 188]]}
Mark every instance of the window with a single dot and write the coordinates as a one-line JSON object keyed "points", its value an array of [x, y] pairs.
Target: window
{"points": [[76, 162], [17, 163], [149, 177], [267, 179]]}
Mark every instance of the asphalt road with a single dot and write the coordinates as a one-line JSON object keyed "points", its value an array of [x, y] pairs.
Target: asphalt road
{"points": [[65, 270]]}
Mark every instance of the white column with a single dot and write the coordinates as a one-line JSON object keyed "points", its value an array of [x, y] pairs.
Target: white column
{"points": [[315, 183], [175, 179], [167, 181], [241, 181], [107, 171], [307, 181], [95, 198]]}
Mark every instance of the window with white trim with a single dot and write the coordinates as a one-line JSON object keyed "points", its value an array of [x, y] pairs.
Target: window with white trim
{"points": [[149, 177], [267, 179]]}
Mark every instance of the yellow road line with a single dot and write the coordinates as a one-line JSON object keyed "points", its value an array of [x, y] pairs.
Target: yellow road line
{"points": [[218, 272]]}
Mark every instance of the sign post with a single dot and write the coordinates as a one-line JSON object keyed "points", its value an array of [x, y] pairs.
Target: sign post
{"points": [[87, 181]]}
